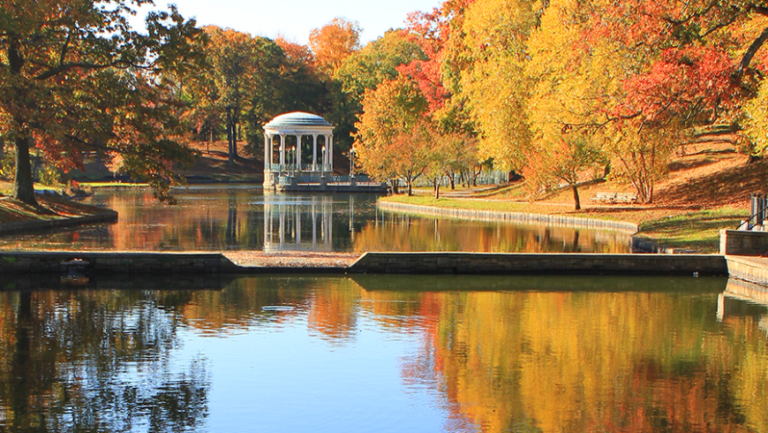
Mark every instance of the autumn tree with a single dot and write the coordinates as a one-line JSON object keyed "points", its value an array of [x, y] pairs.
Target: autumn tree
{"points": [[75, 76], [391, 141], [332, 43], [376, 62], [242, 69]]}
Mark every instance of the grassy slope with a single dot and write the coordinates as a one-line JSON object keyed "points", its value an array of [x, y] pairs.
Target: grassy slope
{"points": [[707, 190], [49, 208]]}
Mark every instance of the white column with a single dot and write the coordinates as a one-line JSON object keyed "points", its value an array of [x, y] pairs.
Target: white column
{"points": [[330, 159], [266, 150], [325, 154], [271, 150], [298, 152], [314, 152], [282, 152]]}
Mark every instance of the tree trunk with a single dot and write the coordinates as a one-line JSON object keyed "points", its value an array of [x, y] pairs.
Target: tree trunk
{"points": [[236, 135], [437, 188], [2, 148], [230, 137], [453, 182], [576, 200], [23, 186], [410, 185], [36, 167]]}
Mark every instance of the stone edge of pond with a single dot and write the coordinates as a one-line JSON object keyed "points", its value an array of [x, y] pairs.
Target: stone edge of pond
{"points": [[105, 215], [169, 263], [522, 217], [747, 268]]}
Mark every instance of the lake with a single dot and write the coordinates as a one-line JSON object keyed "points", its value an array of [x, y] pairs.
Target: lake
{"points": [[381, 354], [218, 218]]}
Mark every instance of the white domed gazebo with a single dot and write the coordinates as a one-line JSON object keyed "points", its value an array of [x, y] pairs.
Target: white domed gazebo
{"points": [[289, 167]]}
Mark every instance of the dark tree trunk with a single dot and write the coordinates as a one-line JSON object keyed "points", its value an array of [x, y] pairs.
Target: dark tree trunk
{"points": [[36, 167], [437, 188], [230, 137], [23, 185], [453, 182], [395, 186], [236, 136], [576, 196], [2, 149], [410, 187]]}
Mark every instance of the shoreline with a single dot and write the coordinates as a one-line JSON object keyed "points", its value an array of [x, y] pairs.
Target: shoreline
{"points": [[52, 212], [509, 216]]}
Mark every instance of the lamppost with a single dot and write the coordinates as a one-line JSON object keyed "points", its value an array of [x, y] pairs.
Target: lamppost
{"points": [[322, 149], [352, 161]]}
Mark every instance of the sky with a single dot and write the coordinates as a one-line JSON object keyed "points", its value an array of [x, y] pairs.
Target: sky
{"points": [[294, 19]]}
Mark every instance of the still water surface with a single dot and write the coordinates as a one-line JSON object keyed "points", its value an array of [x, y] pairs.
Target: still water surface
{"points": [[221, 218], [382, 354]]}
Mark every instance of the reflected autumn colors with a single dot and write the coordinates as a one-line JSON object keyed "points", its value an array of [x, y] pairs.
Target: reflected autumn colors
{"points": [[486, 354], [225, 218]]}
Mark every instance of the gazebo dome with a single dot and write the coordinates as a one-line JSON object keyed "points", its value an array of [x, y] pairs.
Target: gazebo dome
{"points": [[296, 119]]}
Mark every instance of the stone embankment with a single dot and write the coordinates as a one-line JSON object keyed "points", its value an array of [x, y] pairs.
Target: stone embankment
{"points": [[518, 217], [166, 263]]}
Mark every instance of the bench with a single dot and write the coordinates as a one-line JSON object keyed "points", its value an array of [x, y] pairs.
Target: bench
{"points": [[614, 197]]}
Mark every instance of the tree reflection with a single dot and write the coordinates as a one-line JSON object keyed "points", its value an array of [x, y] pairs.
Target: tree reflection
{"points": [[96, 361], [505, 354]]}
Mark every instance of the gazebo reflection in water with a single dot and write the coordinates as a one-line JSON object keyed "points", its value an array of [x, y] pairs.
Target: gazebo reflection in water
{"points": [[305, 224]]}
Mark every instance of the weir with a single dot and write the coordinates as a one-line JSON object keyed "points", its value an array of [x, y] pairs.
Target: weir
{"points": [[372, 262]]}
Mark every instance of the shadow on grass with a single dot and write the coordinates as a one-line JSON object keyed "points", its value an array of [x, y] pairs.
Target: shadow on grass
{"points": [[699, 231]]}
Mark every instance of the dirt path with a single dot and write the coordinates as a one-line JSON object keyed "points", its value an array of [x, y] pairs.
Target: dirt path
{"points": [[291, 259]]}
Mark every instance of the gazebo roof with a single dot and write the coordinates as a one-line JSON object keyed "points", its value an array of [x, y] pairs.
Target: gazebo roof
{"points": [[297, 119]]}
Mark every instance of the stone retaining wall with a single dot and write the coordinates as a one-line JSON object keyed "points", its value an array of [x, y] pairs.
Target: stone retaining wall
{"points": [[523, 263], [518, 217], [743, 242], [87, 263], [25, 226], [747, 269], [115, 263]]}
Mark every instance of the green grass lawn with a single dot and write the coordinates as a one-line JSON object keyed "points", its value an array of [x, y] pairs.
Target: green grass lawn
{"points": [[698, 231]]}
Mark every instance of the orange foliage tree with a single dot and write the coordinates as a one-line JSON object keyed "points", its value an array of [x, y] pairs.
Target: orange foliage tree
{"points": [[332, 43]]}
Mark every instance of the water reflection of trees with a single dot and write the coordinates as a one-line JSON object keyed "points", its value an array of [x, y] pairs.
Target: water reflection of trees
{"points": [[528, 356], [506, 354], [404, 232], [96, 361], [246, 219], [590, 361]]}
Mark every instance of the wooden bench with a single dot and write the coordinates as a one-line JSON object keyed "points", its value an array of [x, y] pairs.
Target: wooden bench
{"points": [[614, 197]]}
